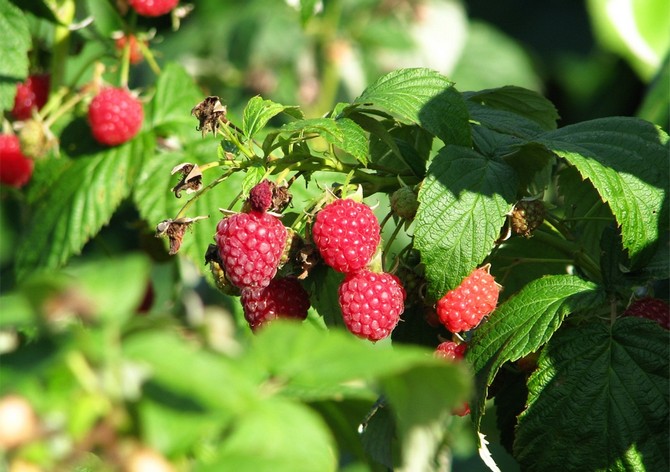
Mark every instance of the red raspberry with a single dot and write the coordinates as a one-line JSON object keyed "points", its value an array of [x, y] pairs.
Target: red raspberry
{"points": [[347, 234], [651, 308], [32, 93], [250, 247], [135, 51], [453, 352], [153, 7], [115, 116], [283, 298], [260, 196], [464, 307], [15, 168], [371, 303]]}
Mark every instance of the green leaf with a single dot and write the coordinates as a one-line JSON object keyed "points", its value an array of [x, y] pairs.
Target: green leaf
{"points": [[354, 139], [520, 101], [40, 9], [626, 160], [78, 203], [324, 283], [258, 112], [294, 439], [116, 302], [14, 44], [423, 97], [533, 164], [106, 18], [504, 121], [162, 352], [604, 391], [528, 319], [463, 205], [156, 202], [252, 176], [176, 94], [655, 106]]}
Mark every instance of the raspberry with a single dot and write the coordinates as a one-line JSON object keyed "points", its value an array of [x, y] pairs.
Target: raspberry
{"points": [[404, 203], [153, 7], [651, 308], [371, 303], [453, 352], [260, 196], [32, 93], [135, 51], [527, 216], [283, 298], [250, 247], [347, 234], [464, 307], [15, 168], [115, 116]]}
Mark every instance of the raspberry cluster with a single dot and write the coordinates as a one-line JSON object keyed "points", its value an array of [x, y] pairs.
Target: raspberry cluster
{"points": [[153, 7], [346, 234], [653, 309], [250, 246], [462, 308]]}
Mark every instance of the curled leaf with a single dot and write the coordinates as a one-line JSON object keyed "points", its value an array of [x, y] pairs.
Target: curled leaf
{"points": [[191, 178]]}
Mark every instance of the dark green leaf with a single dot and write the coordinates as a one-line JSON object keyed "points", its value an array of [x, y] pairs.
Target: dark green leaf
{"points": [[656, 104], [518, 100], [504, 121], [79, 203], [258, 112], [463, 205], [14, 44], [533, 164], [39, 8], [325, 282], [604, 391], [423, 97], [354, 139], [626, 160]]}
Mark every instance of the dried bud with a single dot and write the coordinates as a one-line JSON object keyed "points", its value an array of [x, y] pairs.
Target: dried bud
{"points": [[526, 217], [260, 197]]}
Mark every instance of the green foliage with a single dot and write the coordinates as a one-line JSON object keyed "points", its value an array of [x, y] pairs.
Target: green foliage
{"points": [[119, 346]]}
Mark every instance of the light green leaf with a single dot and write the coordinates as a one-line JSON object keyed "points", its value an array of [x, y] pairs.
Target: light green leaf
{"points": [[354, 139], [176, 94], [463, 203], [626, 160], [604, 391], [79, 203], [423, 97], [294, 439], [14, 44], [106, 18], [525, 322], [655, 106], [520, 101], [252, 176], [258, 112]]}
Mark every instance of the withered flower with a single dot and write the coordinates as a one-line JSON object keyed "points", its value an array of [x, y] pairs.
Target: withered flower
{"points": [[191, 178], [174, 230], [209, 112]]}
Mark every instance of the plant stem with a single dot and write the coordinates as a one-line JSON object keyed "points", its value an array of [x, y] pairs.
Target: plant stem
{"points": [[205, 189], [61, 47], [571, 249]]}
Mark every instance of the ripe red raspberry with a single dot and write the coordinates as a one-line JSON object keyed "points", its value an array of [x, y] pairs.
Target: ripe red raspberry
{"points": [[371, 303], [135, 51], [651, 308], [453, 352], [115, 116], [32, 93], [347, 234], [153, 7], [464, 307], [15, 168], [283, 298], [250, 247]]}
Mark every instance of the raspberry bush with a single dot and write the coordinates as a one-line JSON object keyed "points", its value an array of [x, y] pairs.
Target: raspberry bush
{"points": [[240, 253]]}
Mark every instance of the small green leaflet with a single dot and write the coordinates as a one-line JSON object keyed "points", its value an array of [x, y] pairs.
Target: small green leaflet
{"points": [[526, 321], [423, 97], [626, 160], [258, 112], [463, 204], [604, 391]]}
